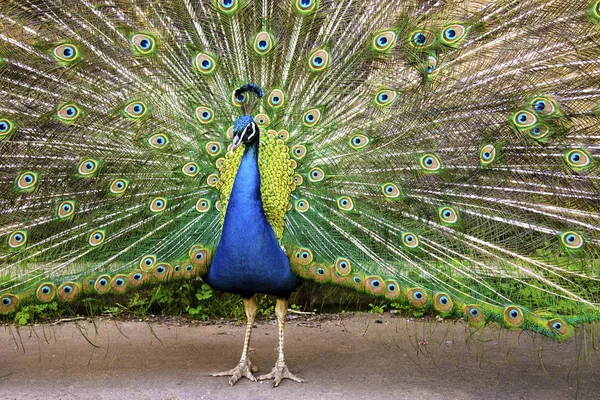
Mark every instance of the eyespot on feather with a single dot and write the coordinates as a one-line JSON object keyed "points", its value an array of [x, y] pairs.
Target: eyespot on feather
{"points": [[158, 141], [311, 117], [147, 262], [96, 238], [409, 240], [417, 296], [202, 205], [135, 110], [204, 63], [88, 167], [524, 119], [276, 98], [572, 240], [27, 180], [8, 303], [448, 215], [213, 148], [158, 204], [65, 209], [474, 314], [68, 112], [392, 289], [421, 39], [162, 271], [487, 154], [143, 43], [68, 291], [318, 60], [45, 292], [301, 205], [384, 41], [205, 115], [375, 285], [66, 53], [119, 186], [6, 127], [513, 316], [190, 169], [263, 43], [102, 284], [430, 163], [359, 141], [137, 278], [442, 302], [17, 239], [345, 203], [343, 266]]}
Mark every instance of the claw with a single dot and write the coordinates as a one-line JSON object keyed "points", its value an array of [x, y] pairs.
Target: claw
{"points": [[280, 372], [243, 369]]}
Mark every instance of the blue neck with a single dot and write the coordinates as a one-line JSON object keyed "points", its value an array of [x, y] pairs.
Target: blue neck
{"points": [[248, 258]]}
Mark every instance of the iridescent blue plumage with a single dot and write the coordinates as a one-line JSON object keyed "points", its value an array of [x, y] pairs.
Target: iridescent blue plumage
{"points": [[249, 259]]}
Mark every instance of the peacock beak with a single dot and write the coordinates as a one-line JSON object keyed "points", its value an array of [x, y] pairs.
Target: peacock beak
{"points": [[246, 135]]}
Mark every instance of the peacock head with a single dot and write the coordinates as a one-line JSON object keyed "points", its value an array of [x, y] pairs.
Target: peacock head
{"points": [[245, 130]]}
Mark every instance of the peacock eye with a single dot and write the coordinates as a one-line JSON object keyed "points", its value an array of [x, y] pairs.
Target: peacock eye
{"points": [[487, 154], [189, 268], [391, 287], [318, 60], [5, 127], [6, 301], [578, 159], [474, 312], [88, 167], [213, 148], [443, 300], [448, 215], [65, 53], [430, 162], [390, 190], [316, 175], [453, 34], [27, 180], [302, 205], [202, 205], [143, 44], [96, 238], [385, 97], [135, 110], [345, 203], [311, 117], [356, 279], [17, 239], [572, 240], [421, 38], [298, 151], [204, 63], [410, 240], [375, 283], [103, 282], [417, 295], [120, 282], [263, 43], [137, 276], [68, 112], [524, 119], [359, 141], [158, 141], [157, 205], [190, 169], [276, 98], [66, 209]]}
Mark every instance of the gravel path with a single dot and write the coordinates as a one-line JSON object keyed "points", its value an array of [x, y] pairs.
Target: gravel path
{"points": [[355, 357]]}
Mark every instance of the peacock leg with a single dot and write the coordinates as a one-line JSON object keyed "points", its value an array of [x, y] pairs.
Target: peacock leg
{"points": [[244, 368], [280, 371]]}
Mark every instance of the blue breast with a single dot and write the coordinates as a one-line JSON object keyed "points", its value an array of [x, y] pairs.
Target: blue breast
{"points": [[249, 259]]}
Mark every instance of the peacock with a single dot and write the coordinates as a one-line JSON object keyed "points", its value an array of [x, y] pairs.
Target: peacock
{"points": [[440, 154]]}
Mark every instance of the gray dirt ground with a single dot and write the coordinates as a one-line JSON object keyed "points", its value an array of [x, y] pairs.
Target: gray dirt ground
{"points": [[353, 357]]}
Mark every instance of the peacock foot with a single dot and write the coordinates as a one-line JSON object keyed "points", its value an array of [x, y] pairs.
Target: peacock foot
{"points": [[242, 369], [280, 372]]}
